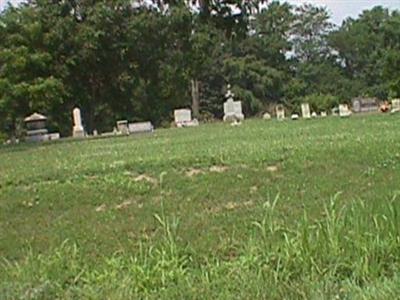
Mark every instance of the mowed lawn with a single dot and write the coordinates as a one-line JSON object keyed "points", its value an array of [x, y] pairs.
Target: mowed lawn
{"points": [[268, 210]]}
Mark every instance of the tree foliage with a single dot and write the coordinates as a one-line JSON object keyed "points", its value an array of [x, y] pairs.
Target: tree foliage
{"points": [[139, 60]]}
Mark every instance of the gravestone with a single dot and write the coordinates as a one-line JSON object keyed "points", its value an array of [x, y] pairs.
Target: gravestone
{"points": [[280, 112], [77, 131], [36, 128], [295, 117], [183, 118], [344, 110], [266, 116], [232, 109], [395, 105], [122, 127], [323, 114], [314, 115], [365, 105], [140, 127], [305, 111]]}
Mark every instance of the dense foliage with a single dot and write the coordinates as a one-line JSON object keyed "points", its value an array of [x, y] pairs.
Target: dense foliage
{"points": [[139, 60]]}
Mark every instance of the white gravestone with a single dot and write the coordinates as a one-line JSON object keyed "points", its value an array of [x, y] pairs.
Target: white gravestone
{"points": [[395, 105], [183, 118], [305, 111], [344, 110], [140, 127], [122, 127], [232, 109], [295, 117], [280, 112], [324, 114], [78, 130]]}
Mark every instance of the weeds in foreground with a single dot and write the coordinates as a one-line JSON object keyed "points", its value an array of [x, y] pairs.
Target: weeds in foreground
{"points": [[351, 251]]}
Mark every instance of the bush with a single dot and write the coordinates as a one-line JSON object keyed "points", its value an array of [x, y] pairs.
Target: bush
{"points": [[319, 102]]}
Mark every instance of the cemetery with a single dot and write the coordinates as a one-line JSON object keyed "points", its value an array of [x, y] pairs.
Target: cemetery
{"points": [[199, 150]]}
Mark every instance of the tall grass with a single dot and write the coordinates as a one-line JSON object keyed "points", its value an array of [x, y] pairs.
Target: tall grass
{"points": [[351, 251]]}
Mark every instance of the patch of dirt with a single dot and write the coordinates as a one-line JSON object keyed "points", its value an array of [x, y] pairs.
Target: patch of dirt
{"points": [[101, 208], [123, 205], [230, 206], [193, 172], [219, 169], [253, 189], [144, 177], [272, 168]]}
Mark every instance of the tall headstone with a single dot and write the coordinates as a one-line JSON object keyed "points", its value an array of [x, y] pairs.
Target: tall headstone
{"points": [[77, 130], [280, 112], [232, 109], [305, 111]]}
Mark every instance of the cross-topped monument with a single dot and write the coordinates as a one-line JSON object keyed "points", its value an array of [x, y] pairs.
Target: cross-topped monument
{"points": [[232, 109]]}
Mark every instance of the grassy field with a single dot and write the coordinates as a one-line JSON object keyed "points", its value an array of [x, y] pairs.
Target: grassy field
{"points": [[268, 210]]}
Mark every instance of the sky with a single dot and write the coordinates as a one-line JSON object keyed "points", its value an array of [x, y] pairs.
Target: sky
{"points": [[339, 9]]}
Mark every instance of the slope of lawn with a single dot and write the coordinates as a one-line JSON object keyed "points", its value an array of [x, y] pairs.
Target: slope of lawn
{"points": [[267, 210]]}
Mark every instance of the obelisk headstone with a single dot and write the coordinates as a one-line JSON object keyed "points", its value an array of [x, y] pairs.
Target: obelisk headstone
{"points": [[78, 130]]}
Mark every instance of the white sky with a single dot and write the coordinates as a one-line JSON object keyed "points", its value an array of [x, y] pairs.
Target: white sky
{"points": [[339, 9]]}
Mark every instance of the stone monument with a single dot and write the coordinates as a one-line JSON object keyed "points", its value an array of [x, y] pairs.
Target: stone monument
{"points": [[344, 110], [395, 106], [122, 127], [140, 127], [77, 131], [365, 105], [280, 112], [305, 111], [183, 118], [36, 129], [232, 109]]}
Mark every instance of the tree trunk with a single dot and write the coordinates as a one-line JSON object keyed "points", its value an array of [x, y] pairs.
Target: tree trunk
{"points": [[195, 98]]}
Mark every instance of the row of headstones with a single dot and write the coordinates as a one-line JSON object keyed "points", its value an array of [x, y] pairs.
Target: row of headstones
{"points": [[37, 131], [36, 123], [123, 127], [342, 111]]}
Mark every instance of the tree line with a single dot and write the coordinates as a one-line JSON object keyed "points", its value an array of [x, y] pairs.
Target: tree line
{"points": [[139, 60]]}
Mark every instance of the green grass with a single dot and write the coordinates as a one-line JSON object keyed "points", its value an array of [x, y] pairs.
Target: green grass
{"points": [[268, 210]]}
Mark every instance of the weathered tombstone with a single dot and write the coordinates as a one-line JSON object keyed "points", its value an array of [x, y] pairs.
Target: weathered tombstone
{"points": [[54, 136], [365, 105], [140, 127], [183, 118], [395, 105], [266, 116], [344, 110], [323, 114], [232, 109], [280, 112], [314, 115], [295, 117], [36, 128], [78, 131], [305, 111], [122, 127], [95, 132]]}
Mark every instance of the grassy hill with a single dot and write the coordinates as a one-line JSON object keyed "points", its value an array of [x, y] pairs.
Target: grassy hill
{"points": [[268, 210]]}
